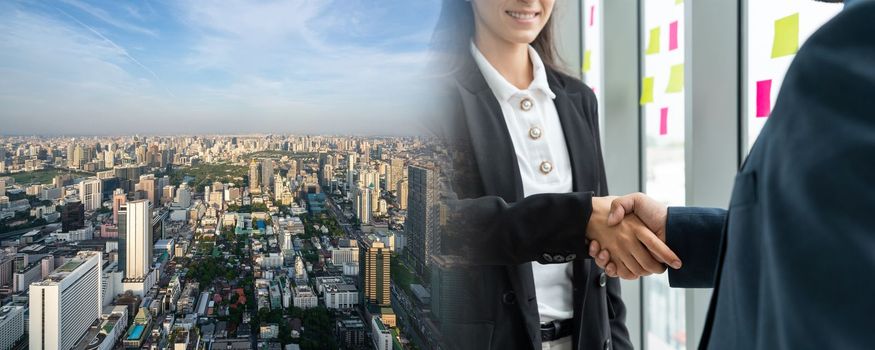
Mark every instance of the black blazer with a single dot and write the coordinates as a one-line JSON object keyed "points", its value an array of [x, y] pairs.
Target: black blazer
{"points": [[792, 261], [498, 233]]}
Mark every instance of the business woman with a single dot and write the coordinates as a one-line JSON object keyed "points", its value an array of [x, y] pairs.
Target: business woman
{"points": [[527, 179]]}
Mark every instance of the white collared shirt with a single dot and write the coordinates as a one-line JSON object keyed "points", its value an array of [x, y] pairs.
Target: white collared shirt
{"points": [[544, 163]]}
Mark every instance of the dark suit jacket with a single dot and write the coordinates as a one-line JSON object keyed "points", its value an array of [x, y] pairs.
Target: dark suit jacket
{"points": [[498, 233], [792, 263]]}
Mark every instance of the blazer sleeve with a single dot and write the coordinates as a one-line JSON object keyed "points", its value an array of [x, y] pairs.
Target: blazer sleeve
{"points": [[695, 235], [547, 228]]}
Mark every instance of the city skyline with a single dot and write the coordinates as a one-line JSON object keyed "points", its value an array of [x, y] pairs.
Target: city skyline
{"points": [[78, 68]]}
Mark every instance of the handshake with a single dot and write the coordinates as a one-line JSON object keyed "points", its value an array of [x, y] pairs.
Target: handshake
{"points": [[627, 236]]}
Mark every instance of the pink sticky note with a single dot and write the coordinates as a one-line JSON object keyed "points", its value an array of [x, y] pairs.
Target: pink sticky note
{"points": [[663, 121], [591, 14], [594, 90], [764, 98], [673, 35]]}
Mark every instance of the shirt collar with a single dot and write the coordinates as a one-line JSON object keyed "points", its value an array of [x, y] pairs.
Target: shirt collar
{"points": [[503, 89]]}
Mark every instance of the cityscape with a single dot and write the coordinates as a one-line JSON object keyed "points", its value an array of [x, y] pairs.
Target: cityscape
{"points": [[221, 242]]}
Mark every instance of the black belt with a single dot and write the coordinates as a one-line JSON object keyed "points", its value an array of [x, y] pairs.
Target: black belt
{"points": [[553, 330]]}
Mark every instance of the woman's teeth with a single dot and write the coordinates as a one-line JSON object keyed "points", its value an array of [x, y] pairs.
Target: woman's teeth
{"points": [[522, 15]]}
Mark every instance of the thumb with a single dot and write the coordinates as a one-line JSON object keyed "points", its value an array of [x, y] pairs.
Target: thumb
{"points": [[620, 207]]}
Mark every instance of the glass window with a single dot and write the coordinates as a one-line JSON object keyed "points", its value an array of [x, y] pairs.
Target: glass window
{"points": [[662, 112], [591, 66], [775, 30]]}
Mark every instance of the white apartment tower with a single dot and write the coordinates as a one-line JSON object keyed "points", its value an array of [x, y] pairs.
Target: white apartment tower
{"points": [[66, 303], [90, 194], [135, 239]]}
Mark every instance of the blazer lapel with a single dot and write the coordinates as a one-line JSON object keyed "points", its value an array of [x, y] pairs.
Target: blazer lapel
{"points": [[578, 137], [496, 161]]}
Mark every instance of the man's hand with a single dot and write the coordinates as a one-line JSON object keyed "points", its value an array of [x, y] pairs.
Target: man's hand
{"points": [[637, 251], [649, 211]]}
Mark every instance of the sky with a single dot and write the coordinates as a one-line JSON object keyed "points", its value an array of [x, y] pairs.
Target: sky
{"points": [[84, 67]]}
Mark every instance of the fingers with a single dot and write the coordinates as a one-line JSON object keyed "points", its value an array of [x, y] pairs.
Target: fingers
{"points": [[619, 208], [621, 271], [658, 249], [603, 259], [632, 265], [594, 248], [622, 206], [646, 260], [611, 270]]}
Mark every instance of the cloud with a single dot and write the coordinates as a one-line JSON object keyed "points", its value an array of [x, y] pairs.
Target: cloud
{"points": [[351, 66], [108, 18]]}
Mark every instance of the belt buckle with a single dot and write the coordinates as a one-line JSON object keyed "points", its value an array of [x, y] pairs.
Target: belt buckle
{"points": [[549, 330]]}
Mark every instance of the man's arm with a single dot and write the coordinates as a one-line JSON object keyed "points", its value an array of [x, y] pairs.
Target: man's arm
{"points": [[695, 235]]}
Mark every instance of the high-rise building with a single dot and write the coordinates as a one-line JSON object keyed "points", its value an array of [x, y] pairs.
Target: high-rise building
{"points": [[11, 325], [350, 171], [65, 304], [135, 239], [401, 194], [266, 173], [118, 199], [374, 260], [90, 194], [168, 194], [447, 289], [149, 184], [347, 251], [183, 196], [423, 213], [72, 216], [362, 205], [327, 174], [254, 176], [396, 168]]}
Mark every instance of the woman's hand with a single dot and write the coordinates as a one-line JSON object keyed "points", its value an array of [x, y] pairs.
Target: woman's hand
{"points": [[634, 249]]}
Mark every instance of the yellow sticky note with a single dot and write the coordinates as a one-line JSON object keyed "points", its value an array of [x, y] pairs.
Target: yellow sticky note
{"points": [[587, 61], [653, 47], [678, 2], [647, 90], [786, 40], [676, 79]]}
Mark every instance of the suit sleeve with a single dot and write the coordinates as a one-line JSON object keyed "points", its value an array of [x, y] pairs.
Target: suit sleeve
{"points": [[489, 231], [695, 235]]}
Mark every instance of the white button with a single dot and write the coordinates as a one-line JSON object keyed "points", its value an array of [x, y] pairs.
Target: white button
{"points": [[546, 167], [526, 104], [535, 133]]}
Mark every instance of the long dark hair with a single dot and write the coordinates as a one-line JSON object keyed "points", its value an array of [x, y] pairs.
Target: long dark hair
{"points": [[455, 28]]}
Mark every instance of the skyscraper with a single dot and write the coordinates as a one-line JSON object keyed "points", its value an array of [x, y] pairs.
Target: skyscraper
{"points": [[90, 194], [401, 193], [266, 173], [135, 239], [118, 199], [362, 205], [254, 176], [422, 217], [149, 184], [72, 216], [350, 170], [64, 305], [374, 260], [396, 168]]}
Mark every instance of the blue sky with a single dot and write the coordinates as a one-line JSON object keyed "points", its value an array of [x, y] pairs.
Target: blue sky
{"points": [[182, 66]]}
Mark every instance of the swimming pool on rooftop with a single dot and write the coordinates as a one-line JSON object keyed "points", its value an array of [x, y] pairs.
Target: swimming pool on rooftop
{"points": [[136, 332]]}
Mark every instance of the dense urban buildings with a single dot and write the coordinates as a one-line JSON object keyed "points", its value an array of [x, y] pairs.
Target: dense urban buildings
{"points": [[248, 241]]}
